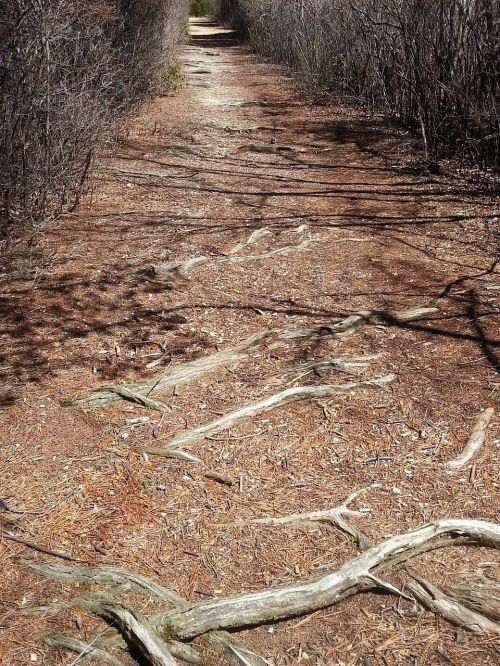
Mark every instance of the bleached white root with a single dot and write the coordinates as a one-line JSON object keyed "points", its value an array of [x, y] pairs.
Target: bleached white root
{"points": [[339, 364], [115, 576], [182, 268], [177, 375], [295, 394], [105, 575], [475, 442], [479, 593], [355, 576], [270, 149], [336, 516], [187, 372], [254, 238], [288, 249], [355, 321], [435, 600], [85, 651], [358, 575], [135, 629]]}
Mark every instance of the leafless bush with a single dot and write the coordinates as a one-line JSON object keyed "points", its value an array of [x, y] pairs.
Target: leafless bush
{"points": [[68, 70], [232, 13], [432, 64], [151, 33]]}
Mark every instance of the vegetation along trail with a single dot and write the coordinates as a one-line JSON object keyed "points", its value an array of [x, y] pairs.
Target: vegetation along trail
{"points": [[265, 307]]}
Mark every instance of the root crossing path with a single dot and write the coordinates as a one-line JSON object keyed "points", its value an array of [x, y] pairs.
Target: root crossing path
{"points": [[265, 307]]}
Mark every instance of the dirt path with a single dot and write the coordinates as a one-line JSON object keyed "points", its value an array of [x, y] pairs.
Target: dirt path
{"points": [[354, 225]]}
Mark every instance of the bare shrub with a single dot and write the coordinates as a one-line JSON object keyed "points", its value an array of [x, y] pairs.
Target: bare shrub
{"points": [[68, 70], [432, 64]]}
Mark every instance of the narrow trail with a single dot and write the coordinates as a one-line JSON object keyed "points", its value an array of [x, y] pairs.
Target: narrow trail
{"points": [[295, 217]]}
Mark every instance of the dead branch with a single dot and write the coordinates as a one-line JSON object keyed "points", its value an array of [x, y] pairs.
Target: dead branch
{"points": [[298, 393], [475, 440], [437, 601], [85, 650], [353, 577], [136, 630]]}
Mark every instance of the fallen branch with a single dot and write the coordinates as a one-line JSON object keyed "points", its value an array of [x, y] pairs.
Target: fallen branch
{"points": [[353, 577], [437, 601], [298, 393], [85, 650], [475, 440]]}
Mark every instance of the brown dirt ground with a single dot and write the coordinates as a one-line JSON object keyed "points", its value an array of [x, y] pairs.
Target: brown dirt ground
{"points": [[390, 237]]}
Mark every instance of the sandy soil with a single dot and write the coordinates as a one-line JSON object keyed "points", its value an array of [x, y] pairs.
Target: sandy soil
{"points": [[194, 173]]}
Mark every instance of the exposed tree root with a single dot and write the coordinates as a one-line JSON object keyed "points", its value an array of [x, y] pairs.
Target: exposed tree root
{"points": [[481, 595], [270, 149], [115, 576], [174, 376], [354, 577], [136, 630], [438, 602], [192, 370], [175, 447], [86, 651], [254, 238], [355, 321], [335, 516], [359, 574], [105, 576], [475, 440], [339, 364], [134, 396], [167, 272]]}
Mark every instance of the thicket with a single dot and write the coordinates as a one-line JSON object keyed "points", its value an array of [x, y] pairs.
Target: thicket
{"points": [[68, 72], [432, 64]]}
